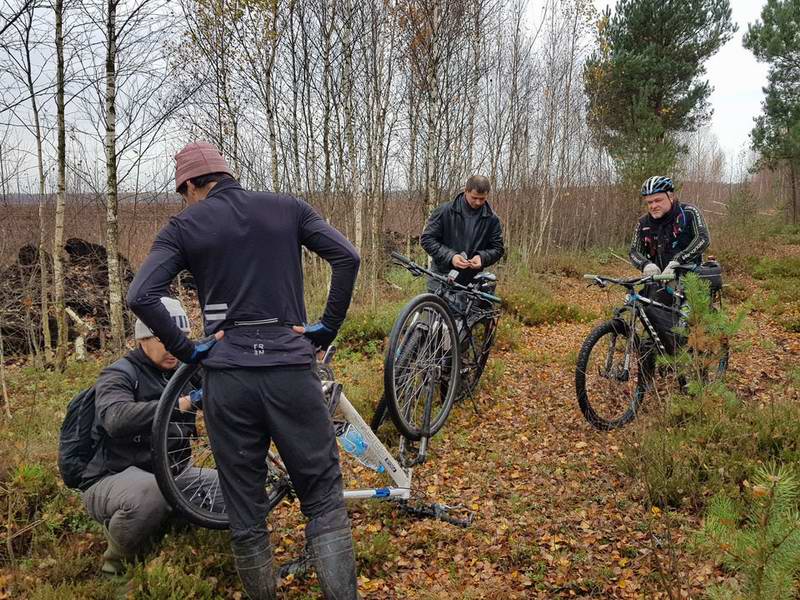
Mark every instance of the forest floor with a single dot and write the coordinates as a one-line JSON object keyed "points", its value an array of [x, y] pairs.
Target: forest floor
{"points": [[557, 511]]}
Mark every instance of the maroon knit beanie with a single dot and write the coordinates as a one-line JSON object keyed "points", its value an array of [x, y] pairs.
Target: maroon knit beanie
{"points": [[198, 158]]}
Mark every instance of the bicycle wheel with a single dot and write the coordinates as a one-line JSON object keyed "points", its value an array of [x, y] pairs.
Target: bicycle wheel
{"points": [[718, 357], [475, 350], [610, 388], [184, 464], [421, 369], [379, 416]]}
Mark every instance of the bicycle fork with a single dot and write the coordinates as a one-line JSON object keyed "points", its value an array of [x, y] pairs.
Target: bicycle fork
{"points": [[422, 451]]}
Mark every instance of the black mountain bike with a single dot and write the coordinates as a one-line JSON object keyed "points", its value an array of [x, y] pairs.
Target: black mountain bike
{"points": [[437, 352], [617, 362]]}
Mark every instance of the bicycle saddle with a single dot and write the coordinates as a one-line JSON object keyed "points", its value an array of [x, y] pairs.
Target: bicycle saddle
{"points": [[485, 276]]}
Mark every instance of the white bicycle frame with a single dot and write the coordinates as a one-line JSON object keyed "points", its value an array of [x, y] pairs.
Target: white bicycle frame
{"points": [[400, 477]]}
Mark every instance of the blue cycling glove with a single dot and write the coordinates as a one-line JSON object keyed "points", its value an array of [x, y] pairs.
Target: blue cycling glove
{"points": [[320, 335], [196, 398], [201, 349]]}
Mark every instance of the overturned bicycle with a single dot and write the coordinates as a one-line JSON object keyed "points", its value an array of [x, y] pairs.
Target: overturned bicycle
{"points": [[180, 443]]}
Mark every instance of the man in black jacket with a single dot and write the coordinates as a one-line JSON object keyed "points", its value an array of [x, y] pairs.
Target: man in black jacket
{"points": [[672, 233], [120, 490], [244, 250], [465, 234]]}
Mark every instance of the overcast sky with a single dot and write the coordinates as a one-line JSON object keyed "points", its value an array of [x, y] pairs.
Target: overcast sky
{"points": [[735, 75]]}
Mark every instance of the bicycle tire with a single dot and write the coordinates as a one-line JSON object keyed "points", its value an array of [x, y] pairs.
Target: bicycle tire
{"points": [[381, 410], [379, 416], [166, 470], [472, 377], [402, 409], [618, 329]]}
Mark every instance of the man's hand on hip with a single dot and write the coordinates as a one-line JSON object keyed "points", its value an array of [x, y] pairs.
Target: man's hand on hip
{"points": [[201, 348], [320, 334]]}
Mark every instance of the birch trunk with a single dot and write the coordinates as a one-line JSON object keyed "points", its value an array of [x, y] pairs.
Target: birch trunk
{"points": [[43, 270], [58, 235], [350, 127], [112, 226]]}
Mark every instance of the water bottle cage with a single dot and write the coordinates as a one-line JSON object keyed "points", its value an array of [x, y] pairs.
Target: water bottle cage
{"points": [[339, 427]]}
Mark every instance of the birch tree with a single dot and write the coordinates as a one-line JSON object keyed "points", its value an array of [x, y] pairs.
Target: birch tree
{"points": [[58, 235]]}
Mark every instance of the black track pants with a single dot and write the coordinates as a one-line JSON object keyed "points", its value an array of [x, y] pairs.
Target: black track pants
{"points": [[245, 409]]}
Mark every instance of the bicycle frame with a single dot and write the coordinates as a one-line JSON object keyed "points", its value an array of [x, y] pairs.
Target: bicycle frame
{"points": [[635, 305], [470, 314], [400, 477]]}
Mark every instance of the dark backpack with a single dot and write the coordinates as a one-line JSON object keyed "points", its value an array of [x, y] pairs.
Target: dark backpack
{"points": [[76, 444]]}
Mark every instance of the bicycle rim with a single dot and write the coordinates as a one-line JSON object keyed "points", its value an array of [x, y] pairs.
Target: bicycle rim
{"points": [[475, 355], [609, 388], [421, 367]]}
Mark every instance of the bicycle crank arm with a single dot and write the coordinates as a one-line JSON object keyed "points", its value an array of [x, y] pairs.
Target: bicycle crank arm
{"points": [[296, 567]]}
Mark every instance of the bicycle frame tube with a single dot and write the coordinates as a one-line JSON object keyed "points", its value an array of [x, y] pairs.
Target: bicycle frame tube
{"points": [[400, 477], [639, 303]]}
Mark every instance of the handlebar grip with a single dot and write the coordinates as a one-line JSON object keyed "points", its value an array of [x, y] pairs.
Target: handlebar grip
{"points": [[397, 256], [590, 276]]}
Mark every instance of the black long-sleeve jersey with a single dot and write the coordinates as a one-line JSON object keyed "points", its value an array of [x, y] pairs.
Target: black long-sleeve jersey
{"points": [[244, 250], [681, 235]]}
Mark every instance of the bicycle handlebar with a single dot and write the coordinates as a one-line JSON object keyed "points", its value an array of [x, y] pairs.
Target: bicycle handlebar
{"points": [[418, 270], [601, 280]]}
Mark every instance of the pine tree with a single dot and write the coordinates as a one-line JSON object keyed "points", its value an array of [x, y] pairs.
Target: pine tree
{"points": [[644, 82], [775, 39], [762, 545]]}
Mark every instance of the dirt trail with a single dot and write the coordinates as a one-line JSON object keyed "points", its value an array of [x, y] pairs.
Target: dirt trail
{"points": [[555, 516]]}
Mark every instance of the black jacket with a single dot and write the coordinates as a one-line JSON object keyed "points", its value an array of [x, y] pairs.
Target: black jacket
{"points": [[680, 235], [444, 237], [244, 250], [124, 413]]}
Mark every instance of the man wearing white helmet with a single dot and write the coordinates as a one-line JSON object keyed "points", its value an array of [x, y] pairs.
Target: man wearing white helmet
{"points": [[119, 488], [672, 233]]}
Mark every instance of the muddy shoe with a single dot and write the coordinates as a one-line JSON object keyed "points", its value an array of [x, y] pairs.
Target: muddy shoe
{"points": [[112, 567]]}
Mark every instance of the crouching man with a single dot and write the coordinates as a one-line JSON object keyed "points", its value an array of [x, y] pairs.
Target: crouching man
{"points": [[120, 490]]}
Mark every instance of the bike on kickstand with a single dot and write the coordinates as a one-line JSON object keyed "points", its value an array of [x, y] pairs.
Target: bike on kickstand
{"points": [[438, 349]]}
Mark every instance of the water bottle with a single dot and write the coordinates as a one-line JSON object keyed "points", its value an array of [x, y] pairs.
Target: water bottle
{"points": [[354, 443]]}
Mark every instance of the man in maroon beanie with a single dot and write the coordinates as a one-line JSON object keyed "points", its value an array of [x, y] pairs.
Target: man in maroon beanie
{"points": [[244, 250]]}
